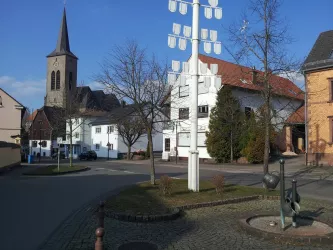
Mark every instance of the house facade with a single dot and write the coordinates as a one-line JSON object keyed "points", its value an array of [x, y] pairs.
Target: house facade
{"points": [[11, 113], [318, 72], [286, 99]]}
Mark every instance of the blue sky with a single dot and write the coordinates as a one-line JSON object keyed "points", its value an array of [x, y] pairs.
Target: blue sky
{"points": [[29, 30]]}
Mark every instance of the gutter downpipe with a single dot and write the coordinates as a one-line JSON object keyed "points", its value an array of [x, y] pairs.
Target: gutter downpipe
{"points": [[306, 120]]}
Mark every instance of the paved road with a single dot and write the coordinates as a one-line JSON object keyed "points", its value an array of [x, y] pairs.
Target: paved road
{"points": [[32, 207]]}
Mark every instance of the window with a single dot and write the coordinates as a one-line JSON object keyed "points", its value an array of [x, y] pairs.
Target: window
{"points": [[184, 113], [331, 130], [77, 135], [52, 80], [184, 91], [98, 130], [0, 102], [248, 112], [203, 111], [110, 129], [76, 121], [44, 144], [110, 146], [331, 90], [97, 147], [167, 144], [34, 144], [70, 80], [58, 80]]}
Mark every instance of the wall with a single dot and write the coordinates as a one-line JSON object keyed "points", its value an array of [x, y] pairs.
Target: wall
{"points": [[10, 156], [319, 108], [12, 124], [36, 150]]}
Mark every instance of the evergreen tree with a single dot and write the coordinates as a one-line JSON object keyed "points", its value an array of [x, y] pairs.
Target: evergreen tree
{"points": [[225, 127]]}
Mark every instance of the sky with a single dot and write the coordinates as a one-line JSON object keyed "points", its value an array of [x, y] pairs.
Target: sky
{"points": [[29, 31]]}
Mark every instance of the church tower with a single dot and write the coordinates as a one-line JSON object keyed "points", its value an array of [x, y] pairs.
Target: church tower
{"points": [[61, 71]]}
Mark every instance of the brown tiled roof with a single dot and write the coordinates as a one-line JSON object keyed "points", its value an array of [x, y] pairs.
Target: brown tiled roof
{"points": [[297, 117], [31, 117], [241, 76]]}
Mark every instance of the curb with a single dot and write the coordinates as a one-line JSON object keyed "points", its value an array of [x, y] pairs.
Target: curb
{"points": [[55, 173]]}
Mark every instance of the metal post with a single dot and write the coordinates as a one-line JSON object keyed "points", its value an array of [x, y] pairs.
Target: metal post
{"points": [[99, 241], [40, 141], [193, 166], [176, 144], [101, 214], [294, 201], [282, 198], [108, 144], [58, 157]]}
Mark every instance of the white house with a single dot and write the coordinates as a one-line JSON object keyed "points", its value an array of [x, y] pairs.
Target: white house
{"points": [[287, 97], [104, 132]]}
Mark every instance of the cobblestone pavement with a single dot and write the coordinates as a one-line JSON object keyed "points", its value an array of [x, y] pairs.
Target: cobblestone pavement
{"points": [[204, 228]]}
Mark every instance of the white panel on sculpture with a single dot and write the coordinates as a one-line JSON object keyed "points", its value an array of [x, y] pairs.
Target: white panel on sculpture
{"points": [[186, 67], [182, 80], [204, 34], [176, 29], [175, 66], [218, 83], [172, 5], [207, 81], [218, 13], [182, 43], [214, 68], [207, 47], [187, 31], [183, 8], [213, 3], [202, 89], [217, 48], [203, 68], [171, 78], [184, 139], [172, 42], [202, 139], [213, 35], [184, 91], [208, 12]]}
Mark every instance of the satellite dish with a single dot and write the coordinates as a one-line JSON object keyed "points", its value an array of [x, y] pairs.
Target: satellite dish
{"points": [[214, 68], [182, 43], [183, 8], [213, 3], [176, 29], [218, 13], [208, 12], [172, 42], [203, 68], [186, 67], [217, 48], [172, 5], [207, 47], [213, 35], [187, 31], [204, 34], [175, 66]]}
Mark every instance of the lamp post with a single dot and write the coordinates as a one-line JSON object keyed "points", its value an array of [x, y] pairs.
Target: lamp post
{"points": [[193, 158], [40, 140]]}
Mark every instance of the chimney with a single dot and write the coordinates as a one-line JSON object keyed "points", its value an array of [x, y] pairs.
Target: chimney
{"points": [[123, 104], [254, 75]]}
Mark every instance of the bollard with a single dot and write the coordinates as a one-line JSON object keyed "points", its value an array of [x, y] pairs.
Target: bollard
{"points": [[101, 214], [282, 188], [294, 193], [99, 241]]}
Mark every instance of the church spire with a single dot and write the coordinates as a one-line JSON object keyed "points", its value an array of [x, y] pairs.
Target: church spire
{"points": [[63, 47]]}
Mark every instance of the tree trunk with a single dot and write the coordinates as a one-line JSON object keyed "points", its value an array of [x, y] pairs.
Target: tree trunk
{"points": [[70, 143], [152, 163], [231, 148], [128, 152]]}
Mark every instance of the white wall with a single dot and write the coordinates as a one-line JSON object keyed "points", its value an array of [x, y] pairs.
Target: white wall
{"points": [[207, 96], [46, 150]]}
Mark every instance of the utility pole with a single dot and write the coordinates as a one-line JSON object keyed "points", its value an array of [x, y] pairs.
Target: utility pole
{"points": [[193, 158]]}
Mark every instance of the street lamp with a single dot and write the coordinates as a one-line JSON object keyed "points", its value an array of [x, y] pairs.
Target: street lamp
{"points": [[193, 159]]}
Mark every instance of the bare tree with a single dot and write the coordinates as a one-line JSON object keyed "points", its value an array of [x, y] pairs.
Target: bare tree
{"points": [[131, 130], [260, 40], [140, 80]]}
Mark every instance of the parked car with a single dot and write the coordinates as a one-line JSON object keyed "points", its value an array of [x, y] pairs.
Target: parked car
{"points": [[55, 156], [89, 155]]}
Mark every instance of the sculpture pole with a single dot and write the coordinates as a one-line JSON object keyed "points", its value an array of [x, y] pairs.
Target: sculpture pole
{"points": [[282, 188]]}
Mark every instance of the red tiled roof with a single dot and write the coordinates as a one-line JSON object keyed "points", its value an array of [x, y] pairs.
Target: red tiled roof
{"points": [[297, 117], [241, 76], [31, 117]]}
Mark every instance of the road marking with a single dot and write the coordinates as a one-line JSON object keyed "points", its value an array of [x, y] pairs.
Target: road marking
{"points": [[99, 168], [112, 170], [129, 172]]}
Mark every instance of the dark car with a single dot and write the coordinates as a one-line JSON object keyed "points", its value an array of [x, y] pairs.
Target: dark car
{"points": [[55, 156], [89, 155]]}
